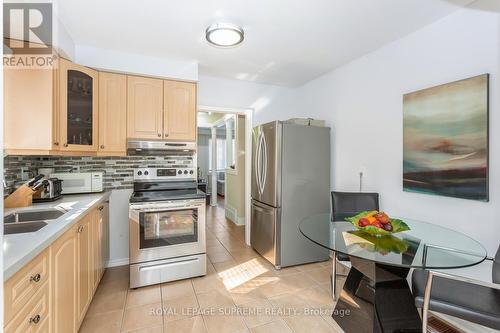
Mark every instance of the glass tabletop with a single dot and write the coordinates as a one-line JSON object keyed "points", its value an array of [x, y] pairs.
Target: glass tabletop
{"points": [[425, 245]]}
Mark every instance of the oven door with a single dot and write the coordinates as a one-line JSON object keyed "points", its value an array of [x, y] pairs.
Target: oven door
{"points": [[164, 230]]}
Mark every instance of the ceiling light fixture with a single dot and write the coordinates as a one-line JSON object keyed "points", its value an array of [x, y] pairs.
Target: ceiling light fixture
{"points": [[224, 35]]}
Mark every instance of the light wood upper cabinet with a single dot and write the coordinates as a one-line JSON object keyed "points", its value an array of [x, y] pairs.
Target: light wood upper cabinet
{"points": [[179, 100], [112, 114], [30, 110], [64, 281], [144, 108], [78, 107]]}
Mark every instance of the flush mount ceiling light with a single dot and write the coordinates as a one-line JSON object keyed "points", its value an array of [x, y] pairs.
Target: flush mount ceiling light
{"points": [[224, 35]]}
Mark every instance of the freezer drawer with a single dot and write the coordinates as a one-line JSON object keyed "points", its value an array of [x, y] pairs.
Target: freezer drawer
{"points": [[263, 231]]}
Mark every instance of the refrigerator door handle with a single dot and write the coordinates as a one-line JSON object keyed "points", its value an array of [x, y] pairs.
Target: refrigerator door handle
{"points": [[264, 165], [260, 162], [257, 164]]}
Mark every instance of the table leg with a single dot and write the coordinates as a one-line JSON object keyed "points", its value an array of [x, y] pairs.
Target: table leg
{"points": [[376, 298], [334, 275]]}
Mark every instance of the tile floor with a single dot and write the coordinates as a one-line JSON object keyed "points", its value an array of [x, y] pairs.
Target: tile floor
{"points": [[240, 293]]}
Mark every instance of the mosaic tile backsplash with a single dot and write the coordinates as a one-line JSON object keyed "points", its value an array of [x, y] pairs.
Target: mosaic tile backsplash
{"points": [[118, 171]]}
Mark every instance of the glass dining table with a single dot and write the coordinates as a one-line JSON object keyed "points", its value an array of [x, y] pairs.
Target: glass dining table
{"points": [[376, 296]]}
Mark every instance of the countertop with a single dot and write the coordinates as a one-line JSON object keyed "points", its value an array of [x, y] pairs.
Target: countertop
{"points": [[20, 249]]}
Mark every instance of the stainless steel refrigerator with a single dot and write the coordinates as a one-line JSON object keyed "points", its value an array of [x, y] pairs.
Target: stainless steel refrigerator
{"points": [[290, 181]]}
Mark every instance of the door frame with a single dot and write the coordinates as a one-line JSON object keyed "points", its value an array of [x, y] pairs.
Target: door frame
{"points": [[248, 113]]}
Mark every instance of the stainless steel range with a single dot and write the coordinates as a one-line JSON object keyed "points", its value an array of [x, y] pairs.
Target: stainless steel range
{"points": [[167, 226]]}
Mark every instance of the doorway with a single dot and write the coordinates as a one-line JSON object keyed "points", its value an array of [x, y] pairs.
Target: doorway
{"points": [[224, 162]]}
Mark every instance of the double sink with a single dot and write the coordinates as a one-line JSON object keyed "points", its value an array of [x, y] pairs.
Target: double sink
{"points": [[30, 220]]}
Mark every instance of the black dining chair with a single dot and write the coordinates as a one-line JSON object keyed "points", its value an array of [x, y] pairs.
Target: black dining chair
{"points": [[471, 299], [347, 204]]}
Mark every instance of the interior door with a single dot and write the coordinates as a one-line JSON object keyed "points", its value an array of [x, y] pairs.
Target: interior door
{"points": [[263, 230]]}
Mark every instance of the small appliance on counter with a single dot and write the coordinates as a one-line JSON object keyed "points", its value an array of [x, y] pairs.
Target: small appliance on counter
{"points": [[51, 190], [80, 182]]}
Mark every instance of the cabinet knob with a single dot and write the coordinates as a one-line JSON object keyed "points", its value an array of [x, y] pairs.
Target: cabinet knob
{"points": [[80, 228], [56, 143], [101, 208], [35, 319], [35, 278], [102, 146], [166, 134], [65, 145], [159, 135]]}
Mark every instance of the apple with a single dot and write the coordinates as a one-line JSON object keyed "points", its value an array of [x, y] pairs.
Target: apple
{"points": [[363, 222]]}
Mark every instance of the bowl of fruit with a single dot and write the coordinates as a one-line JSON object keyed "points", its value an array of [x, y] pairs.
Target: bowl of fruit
{"points": [[377, 223]]}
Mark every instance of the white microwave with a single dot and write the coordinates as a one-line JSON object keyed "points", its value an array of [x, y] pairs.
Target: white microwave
{"points": [[80, 182]]}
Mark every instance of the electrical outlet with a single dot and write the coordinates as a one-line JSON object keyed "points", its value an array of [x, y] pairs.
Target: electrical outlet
{"points": [[362, 171]]}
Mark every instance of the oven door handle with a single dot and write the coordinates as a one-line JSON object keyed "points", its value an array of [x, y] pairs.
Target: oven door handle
{"points": [[151, 208], [168, 264]]}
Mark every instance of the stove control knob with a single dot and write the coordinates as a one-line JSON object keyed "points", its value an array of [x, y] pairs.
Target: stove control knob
{"points": [[146, 173], [139, 173], [179, 172], [185, 172], [191, 172]]}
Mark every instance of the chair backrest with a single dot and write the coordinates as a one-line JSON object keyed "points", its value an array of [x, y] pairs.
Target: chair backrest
{"points": [[496, 267], [346, 204]]}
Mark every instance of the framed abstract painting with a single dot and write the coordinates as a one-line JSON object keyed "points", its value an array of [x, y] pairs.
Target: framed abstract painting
{"points": [[445, 139]]}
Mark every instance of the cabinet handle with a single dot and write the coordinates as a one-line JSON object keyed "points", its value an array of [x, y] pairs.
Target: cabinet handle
{"points": [[65, 145], [101, 208], [56, 143], [159, 135], [102, 146], [35, 319], [35, 278], [80, 228]]}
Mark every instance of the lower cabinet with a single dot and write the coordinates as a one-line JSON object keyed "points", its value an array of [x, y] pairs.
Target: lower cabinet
{"points": [[85, 273], [64, 279], [53, 292]]}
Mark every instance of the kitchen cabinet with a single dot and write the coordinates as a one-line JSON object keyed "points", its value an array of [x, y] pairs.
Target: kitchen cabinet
{"points": [[144, 108], [102, 238], [112, 114], [161, 109], [64, 281], [31, 124], [78, 107], [85, 271], [179, 100], [20, 288], [35, 316]]}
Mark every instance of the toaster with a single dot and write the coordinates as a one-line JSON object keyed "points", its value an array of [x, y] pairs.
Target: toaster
{"points": [[51, 190]]}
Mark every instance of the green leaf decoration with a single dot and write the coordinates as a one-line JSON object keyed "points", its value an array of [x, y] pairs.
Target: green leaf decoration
{"points": [[397, 225]]}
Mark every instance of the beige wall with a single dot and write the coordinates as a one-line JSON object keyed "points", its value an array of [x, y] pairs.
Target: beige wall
{"points": [[235, 182]]}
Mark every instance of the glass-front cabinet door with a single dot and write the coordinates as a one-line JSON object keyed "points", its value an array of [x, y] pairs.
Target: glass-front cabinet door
{"points": [[79, 107]]}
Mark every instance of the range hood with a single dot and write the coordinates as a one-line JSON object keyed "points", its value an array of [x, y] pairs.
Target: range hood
{"points": [[139, 147]]}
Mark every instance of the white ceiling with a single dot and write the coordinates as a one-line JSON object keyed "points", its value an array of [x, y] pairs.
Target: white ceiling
{"points": [[288, 42]]}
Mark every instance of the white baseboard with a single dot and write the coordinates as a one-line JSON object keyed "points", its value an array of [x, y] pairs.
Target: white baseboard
{"points": [[117, 262], [232, 215]]}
